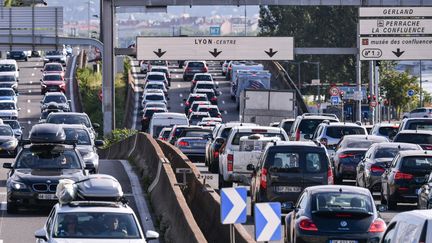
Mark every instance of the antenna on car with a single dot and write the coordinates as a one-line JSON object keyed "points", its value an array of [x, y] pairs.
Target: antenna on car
{"points": [[399, 147]]}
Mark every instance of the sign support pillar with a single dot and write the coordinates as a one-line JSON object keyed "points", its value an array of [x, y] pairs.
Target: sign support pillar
{"points": [[358, 76], [378, 117], [371, 91]]}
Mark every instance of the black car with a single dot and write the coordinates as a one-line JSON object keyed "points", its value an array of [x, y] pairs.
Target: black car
{"points": [[349, 151], [55, 100], [285, 169], [17, 55], [34, 175], [8, 141], [405, 176], [327, 214], [420, 137], [376, 160]]}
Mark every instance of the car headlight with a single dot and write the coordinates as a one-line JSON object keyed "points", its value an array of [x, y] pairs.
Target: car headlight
{"points": [[88, 156], [10, 143], [18, 185]]}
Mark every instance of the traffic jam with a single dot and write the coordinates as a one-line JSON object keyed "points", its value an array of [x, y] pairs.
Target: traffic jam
{"points": [[334, 180]]}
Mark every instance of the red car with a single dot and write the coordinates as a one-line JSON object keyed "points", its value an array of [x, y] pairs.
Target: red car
{"points": [[53, 83], [53, 68]]}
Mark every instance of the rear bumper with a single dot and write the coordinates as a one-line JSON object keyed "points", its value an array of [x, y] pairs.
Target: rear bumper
{"points": [[325, 237], [347, 171], [243, 178]]}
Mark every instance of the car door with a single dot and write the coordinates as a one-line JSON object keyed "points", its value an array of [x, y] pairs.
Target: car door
{"points": [[361, 168]]}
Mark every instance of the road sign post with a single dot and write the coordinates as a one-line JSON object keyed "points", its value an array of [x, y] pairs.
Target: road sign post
{"points": [[268, 221], [233, 207], [215, 48]]}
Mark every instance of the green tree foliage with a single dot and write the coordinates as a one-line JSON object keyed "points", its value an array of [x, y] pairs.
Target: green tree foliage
{"points": [[396, 85], [322, 26]]}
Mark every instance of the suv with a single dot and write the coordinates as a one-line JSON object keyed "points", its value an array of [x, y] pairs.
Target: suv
{"points": [[55, 56], [387, 130], [53, 83], [422, 138], [329, 134], [416, 124], [193, 67], [31, 181], [9, 81], [55, 98], [304, 126], [425, 112], [17, 55], [286, 168], [53, 67]]}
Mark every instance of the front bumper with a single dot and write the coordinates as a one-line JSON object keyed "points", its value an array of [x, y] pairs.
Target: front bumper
{"points": [[27, 198]]}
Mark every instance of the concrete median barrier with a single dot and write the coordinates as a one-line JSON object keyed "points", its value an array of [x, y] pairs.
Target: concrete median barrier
{"points": [[176, 220], [203, 201]]}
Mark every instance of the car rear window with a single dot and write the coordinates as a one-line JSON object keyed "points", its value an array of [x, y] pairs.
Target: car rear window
{"points": [[7, 92], [417, 162], [154, 97], [226, 132], [7, 68], [205, 86], [341, 202], [360, 144], [308, 126], [53, 78], [7, 78], [287, 126], [339, 132], [392, 152], [237, 136], [293, 162], [419, 125], [195, 64], [197, 134], [387, 131], [212, 111], [53, 68], [197, 98], [155, 77], [414, 138]]}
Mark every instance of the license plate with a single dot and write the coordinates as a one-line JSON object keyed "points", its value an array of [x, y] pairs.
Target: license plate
{"points": [[43, 196], [343, 241], [288, 189]]}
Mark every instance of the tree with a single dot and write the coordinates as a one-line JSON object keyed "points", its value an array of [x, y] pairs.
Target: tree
{"points": [[396, 85]]}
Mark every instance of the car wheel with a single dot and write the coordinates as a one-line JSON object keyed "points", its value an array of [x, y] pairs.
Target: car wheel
{"points": [[383, 199], [392, 205], [214, 167], [11, 208]]}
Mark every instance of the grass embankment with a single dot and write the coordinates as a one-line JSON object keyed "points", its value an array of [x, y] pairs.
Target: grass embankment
{"points": [[90, 84]]}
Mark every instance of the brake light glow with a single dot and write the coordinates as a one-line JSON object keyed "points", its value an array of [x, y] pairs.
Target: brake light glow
{"points": [[259, 131], [297, 135], [377, 168], [307, 224], [263, 181], [216, 154], [213, 99], [330, 178], [343, 156], [403, 176], [230, 159], [377, 226], [187, 103], [183, 144]]}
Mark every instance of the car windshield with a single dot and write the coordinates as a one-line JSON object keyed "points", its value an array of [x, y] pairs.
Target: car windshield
{"points": [[7, 68], [51, 68], [420, 125], [7, 78], [155, 77], [52, 78], [55, 98], [204, 86], [154, 86], [68, 119], [414, 138], [7, 92], [203, 78], [80, 135], [16, 52], [292, 162], [154, 97], [237, 136], [195, 64], [7, 106], [341, 202], [339, 132], [13, 124], [387, 131], [359, 143], [53, 53], [96, 225], [391, 152], [417, 162], [47, 157], [6, 131]]}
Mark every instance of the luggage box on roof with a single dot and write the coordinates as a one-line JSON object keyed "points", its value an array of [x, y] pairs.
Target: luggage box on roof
{"points": [[47, 133], [99, 187]]}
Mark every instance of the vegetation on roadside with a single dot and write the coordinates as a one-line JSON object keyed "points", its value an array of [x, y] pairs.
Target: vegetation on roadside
{"points": [[118, 135]]}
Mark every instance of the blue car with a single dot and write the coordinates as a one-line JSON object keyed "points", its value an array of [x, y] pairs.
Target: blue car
{"points": [[8, 94]]}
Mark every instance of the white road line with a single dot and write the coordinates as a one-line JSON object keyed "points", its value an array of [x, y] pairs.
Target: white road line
{"points": [[73, 108], [29, 90], [139, 197], [28, 111], [30, 82], [181, 95], [181, 104], [29, 122], [223, 102], [34, 68], [225, 112], [33, 74], [28, 101], [178, 85], [3, 206]]}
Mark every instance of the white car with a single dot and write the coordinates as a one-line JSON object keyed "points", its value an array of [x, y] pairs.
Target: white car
{"points": [[156, 85], [154, 97], [155, 104], [8, 110], [9, 67], [156, 77], [423, 112]]}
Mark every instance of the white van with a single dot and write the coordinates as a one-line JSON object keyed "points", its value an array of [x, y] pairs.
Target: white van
{"points": [[167, 119], [9, 66]]}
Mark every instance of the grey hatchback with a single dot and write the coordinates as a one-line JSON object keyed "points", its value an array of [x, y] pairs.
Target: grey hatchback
{"points": [[286, 168]]}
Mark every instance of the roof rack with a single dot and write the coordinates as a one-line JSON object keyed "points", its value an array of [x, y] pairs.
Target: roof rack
{"points": [[320, 114]]}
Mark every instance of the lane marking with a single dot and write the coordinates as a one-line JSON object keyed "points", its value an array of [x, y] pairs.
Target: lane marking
{"points": [[223, 102], [28, 111], [181, 95], [28, 101], [29, 90], [225, 112], [3, 206], [29, 122], [30, 82], [181, 104], [34, 68], [32, 74]]}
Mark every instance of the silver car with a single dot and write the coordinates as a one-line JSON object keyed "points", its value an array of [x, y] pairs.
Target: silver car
{"points": [[193, 144]]}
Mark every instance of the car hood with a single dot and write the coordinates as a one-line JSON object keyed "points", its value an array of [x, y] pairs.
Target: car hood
{"points": [[6, 139], [53, 82], [36, 175]]}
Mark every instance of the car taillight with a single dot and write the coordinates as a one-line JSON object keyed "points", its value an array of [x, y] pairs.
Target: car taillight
{"points": [[403, 176], [216, 154], [427, 147], [377, 226], [214, 99], [187, 103], [330, 178], [205, 69], [323, 141], [230, 159], [343, 156], [183, 144], [377, 168], [190, 110], [263, 181], [298, 135], [219, 116], [307, 224]]}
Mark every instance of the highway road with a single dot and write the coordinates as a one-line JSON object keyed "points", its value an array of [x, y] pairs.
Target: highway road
{"points": [[20, 228]]}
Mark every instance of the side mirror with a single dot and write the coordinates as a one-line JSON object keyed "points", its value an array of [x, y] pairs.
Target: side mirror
{"points": [[250, 167], [220, 141], [7, 165], [151, 235], [96, 125], [41, 234], [288, 206], [99, 143], [381, 208], [307, 136], [89, 167]]}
